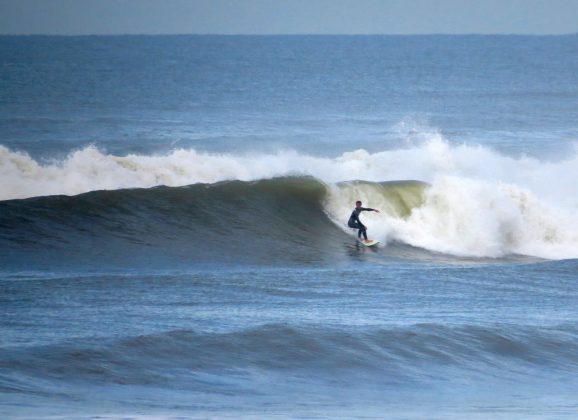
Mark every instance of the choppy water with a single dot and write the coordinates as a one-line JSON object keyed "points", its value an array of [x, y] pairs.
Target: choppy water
{"points": [[173, 239]]}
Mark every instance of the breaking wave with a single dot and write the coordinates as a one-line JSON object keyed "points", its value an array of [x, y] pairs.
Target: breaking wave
{"points": [[453, 199]]}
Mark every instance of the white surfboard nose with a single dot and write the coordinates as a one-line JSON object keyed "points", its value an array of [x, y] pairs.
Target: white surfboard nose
{"points": [[369, 242]]}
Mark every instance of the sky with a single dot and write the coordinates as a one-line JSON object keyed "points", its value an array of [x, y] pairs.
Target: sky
{"points": [[103, 17]]}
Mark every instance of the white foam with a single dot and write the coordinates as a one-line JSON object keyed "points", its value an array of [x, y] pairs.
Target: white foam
{"points": [[480, 203], [478, 218]]}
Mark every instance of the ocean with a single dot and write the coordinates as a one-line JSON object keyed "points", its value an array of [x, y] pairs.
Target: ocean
{"points": [[174, 240]]}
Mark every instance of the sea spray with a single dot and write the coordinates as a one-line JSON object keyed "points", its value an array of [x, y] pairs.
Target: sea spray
{"points": [[90, 169]]}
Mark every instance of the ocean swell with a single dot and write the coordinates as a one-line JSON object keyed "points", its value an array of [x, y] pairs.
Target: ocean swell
{"points": [[416, 353]]}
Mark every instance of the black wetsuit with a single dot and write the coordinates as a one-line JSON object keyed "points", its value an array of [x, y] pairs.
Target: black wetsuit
{"points": [[355, 223]]}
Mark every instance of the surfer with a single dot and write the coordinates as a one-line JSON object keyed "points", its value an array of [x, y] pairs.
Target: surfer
{"points": [[354, 221]]}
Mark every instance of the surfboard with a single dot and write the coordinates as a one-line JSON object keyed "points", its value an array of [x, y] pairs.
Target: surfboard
{"points": [[370, 242]]}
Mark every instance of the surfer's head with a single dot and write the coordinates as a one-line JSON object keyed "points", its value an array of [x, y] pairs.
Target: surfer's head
{"points": [[358, 203]]}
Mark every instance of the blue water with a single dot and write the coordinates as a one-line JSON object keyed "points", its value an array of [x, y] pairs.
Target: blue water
{"points": [[173, 239]]}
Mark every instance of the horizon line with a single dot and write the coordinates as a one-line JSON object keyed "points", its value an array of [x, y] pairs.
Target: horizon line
{"points": [[293, 34]]}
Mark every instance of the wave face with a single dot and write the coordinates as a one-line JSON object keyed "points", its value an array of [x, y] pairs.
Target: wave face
{"points": [[421, 353], [469, 201], [275, 220]]}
